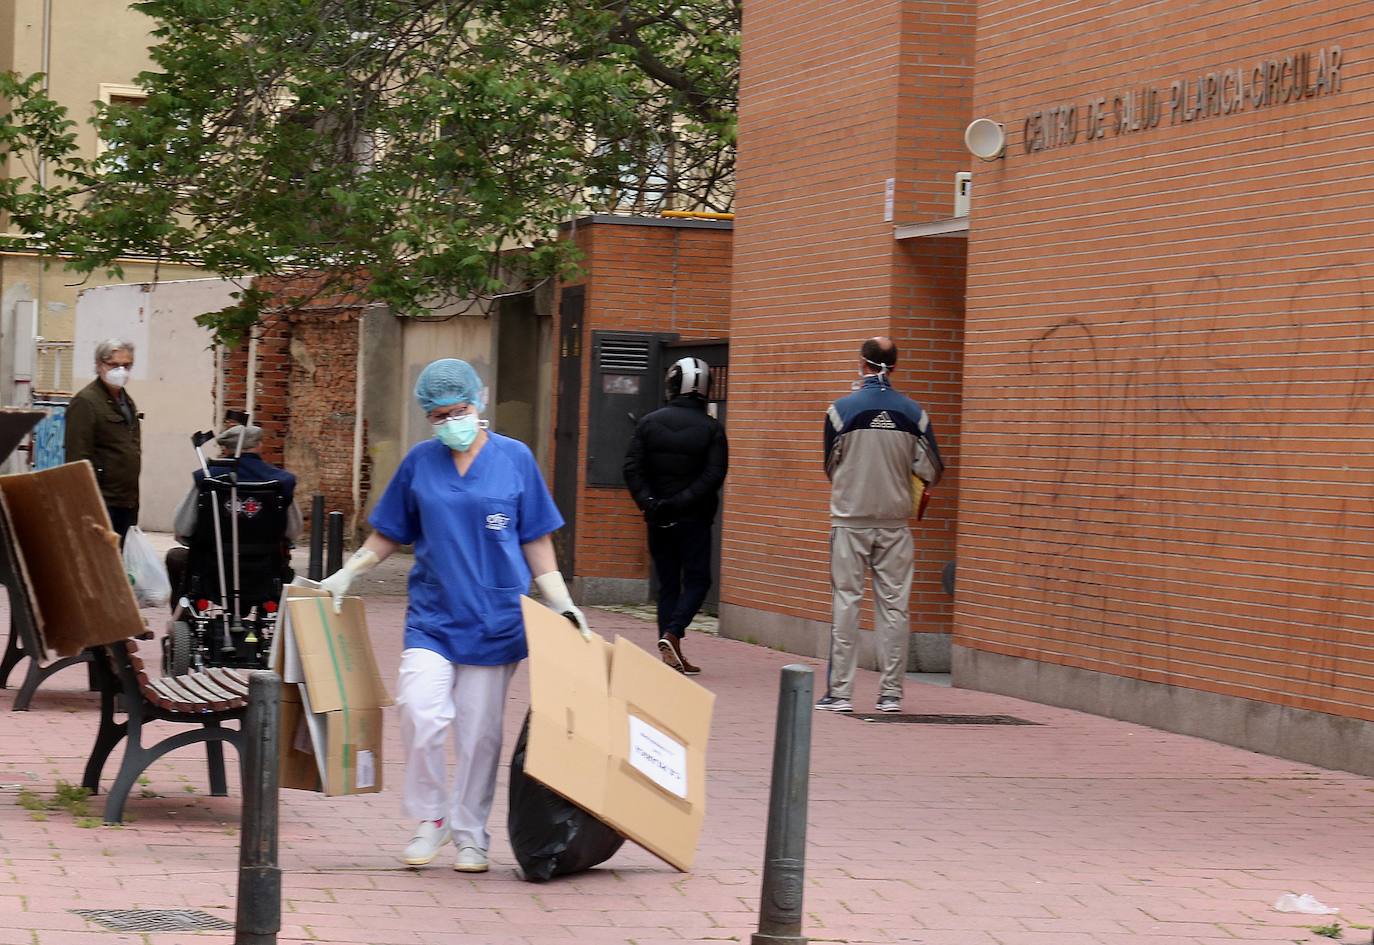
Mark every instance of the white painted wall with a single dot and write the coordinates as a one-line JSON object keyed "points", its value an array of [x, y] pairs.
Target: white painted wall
{"points": [[173, 377]]}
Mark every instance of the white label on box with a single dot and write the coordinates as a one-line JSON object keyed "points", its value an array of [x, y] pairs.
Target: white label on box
{"points": [[661, 759], [367, 771]]}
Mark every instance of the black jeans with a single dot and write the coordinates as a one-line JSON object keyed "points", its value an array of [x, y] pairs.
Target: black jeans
{"points": [[682, 560], [121, 520]]}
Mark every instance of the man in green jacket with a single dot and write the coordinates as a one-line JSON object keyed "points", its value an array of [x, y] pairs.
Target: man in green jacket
{"points": [[103, 426]]}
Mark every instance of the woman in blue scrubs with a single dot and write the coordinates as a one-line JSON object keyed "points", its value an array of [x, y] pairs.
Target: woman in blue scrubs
{"points": [[475, 506]]}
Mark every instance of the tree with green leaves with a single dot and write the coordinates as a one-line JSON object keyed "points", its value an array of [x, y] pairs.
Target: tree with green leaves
{"points": [[400, 147]]}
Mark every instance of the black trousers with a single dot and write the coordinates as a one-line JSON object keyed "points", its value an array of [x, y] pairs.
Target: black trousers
{"points": [[121, 520], [176, 572], [682, 561]]}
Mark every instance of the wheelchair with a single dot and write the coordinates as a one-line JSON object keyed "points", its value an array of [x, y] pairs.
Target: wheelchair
{"points": [[236, 566]]}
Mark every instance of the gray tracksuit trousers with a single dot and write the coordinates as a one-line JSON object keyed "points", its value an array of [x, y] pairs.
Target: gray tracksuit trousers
{"points": [[887, 554]]}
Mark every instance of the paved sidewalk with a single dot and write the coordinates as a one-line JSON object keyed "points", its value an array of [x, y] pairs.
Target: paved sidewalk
{"points": [[1077, 830]]}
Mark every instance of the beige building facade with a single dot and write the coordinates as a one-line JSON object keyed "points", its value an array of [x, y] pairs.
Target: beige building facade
{"points": [[91, 51]]}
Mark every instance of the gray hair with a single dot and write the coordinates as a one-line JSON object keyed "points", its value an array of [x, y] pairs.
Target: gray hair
{"points": [[229, 439], [106, 349]]}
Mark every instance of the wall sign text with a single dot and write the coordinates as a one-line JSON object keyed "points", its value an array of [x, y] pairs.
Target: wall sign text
{"points": [[1297, 77]]}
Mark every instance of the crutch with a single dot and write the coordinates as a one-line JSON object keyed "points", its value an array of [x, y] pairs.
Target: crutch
{"points": [[199, 440], [241, 418]]}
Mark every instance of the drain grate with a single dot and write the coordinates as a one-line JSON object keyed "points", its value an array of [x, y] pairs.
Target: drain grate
{"points": [[939, 719], [154, 920]]}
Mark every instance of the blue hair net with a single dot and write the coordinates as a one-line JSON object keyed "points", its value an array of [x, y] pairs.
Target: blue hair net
{"points": [[446, 382]]}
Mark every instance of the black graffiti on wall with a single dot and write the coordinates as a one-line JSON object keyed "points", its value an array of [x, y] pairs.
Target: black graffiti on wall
{"points": [[1183, 502]]}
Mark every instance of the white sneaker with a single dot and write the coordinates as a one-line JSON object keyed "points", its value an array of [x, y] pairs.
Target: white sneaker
{"points": [[424, 846], [470, 860]]}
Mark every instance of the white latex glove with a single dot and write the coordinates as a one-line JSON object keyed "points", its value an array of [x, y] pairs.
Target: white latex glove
{"points": [[338, 583], [556, 597]]}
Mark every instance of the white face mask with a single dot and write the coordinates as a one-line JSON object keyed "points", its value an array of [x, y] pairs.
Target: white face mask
{"points": [[117, 377]]}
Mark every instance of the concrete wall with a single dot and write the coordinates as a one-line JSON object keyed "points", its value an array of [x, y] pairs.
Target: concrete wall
{"points": [[1167, 476], [173, 376], [470, 336]]}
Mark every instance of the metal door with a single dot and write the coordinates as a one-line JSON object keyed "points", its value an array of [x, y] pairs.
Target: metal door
{"points": [[626, 383], [566, 439]]}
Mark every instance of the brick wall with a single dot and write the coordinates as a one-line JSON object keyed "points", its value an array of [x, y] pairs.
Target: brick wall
{"points": [[271, 387], [668, 277], [1168, 378], [324, 370], [305, 389], [835, 100]]}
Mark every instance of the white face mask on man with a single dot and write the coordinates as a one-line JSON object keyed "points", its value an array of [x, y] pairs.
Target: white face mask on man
{"points": [[117, 376]]}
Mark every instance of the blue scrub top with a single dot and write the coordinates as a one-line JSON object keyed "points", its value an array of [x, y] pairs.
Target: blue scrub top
{"points": [[467, 530]]}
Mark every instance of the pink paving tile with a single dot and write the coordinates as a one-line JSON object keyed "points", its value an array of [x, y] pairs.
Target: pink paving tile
{"points": [[1081, 829]]}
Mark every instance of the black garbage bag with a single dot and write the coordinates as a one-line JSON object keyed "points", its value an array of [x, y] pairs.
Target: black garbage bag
{"points": [[552, 836]]}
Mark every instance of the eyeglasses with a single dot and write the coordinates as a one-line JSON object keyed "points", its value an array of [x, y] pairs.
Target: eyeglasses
{"points": [[117, 364], [452, 413]]}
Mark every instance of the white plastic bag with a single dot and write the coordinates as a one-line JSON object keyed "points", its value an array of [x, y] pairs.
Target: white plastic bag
{"points": [[1307, 904], [152, 587]]}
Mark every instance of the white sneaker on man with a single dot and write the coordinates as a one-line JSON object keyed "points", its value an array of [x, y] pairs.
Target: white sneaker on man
{"points": [[470, 859], [430, 836]]}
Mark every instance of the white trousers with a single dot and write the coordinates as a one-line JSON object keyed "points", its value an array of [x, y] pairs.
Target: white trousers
{"points": [[436, 696]]}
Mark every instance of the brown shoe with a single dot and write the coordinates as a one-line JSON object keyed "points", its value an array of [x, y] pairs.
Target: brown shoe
{"points": [[671, 650]]}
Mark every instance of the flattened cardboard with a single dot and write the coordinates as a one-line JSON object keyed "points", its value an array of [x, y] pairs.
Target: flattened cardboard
{"points": [[15, 424], [568, 740], [336, 654], [15, 575], [583, 696], [333, 724], [648, 787], [298, 769], [70, 556]]}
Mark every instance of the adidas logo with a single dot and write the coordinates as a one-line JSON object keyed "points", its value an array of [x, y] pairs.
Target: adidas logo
{"points": [[883, 422]]}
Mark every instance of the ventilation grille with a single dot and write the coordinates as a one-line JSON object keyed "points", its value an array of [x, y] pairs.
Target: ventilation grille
{"points": [[624, 356], [939, 719], [53, 369], [155, 920]]}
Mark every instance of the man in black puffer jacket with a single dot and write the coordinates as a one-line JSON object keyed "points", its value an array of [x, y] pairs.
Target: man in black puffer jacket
{"points": [[674, 468]]}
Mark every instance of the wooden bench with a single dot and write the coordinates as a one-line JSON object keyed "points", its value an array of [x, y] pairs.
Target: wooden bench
{"points": [[69, 598], [205, 699]]}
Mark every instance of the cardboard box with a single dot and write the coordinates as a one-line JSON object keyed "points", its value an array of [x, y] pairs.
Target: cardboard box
{"points": [[68, 555], [619, 734], [332, 696]]}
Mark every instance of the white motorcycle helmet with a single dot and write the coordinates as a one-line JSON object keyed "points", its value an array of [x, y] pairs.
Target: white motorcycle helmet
{"points": [[691, 376]]}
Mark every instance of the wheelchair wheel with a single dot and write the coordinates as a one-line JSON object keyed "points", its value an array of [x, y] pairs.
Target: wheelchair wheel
{"points": [[176, 660]]}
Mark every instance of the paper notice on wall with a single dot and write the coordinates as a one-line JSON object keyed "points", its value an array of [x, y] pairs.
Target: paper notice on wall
{"points": [[889, 199], [660, 758]]}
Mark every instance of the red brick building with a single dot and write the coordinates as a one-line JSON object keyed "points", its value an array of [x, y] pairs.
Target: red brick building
{"points": [[851, 118], [1156, 404], [1167, 488], [652, 290]]}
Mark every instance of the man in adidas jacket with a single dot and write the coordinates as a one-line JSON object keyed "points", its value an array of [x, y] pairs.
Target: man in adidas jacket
{"points": [[875, 441]]}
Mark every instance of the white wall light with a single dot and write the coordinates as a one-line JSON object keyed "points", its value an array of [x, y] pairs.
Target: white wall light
{"points": [[985, 139]]}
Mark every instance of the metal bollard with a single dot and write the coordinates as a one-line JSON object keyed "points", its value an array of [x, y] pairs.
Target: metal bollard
{"points": [[315, 571], [784, 857], [259, 904], [336, 542]]}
